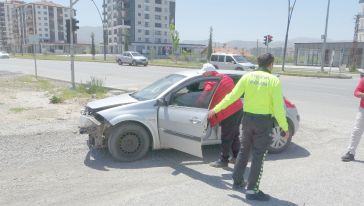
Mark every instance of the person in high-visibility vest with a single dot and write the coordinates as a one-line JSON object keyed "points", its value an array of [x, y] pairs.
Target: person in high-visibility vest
{"points": [[263, 101]]}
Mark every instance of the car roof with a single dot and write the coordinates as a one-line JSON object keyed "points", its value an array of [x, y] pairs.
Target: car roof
{"points": [[194, 73], [226, 54]]}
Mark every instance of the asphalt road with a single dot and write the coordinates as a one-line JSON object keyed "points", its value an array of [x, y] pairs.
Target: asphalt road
{"points": [[309, 172]]}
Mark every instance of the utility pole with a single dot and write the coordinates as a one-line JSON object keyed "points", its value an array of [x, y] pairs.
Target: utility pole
{"points": [[103, 20], [323, 51], [257, 48], [72, 55], [290, 12]]}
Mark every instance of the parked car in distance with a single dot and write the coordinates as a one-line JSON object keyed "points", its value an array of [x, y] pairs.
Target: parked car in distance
{"points": [[165, 114], [131, 58], [230, 62], [4, 55]]}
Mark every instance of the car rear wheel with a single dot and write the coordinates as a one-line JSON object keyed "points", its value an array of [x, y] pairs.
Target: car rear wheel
{"points": [[134, 63], [129, 142], [146, 64], [279, 144]]}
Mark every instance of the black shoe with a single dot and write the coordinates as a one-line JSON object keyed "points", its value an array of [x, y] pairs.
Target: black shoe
{"points": [[219, 163], [347, 157], [232, 160], [239, 186], [260, 196]]}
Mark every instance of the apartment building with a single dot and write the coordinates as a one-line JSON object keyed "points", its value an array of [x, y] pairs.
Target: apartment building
{"points": [[3, 37], [44, 19], [361, 21], [144, 24]]}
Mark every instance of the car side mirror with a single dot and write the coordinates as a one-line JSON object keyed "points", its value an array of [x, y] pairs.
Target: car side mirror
{"points": [[233, 62], [161, 102]]}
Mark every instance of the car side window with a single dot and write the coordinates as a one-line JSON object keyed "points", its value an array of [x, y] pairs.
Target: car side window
{"points": [[229, 59], [197, 94], [221, 58], [214, 58]]}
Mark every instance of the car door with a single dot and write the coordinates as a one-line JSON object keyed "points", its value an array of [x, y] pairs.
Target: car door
{"points": [[221, 62], [182, 121], [230, 63]]}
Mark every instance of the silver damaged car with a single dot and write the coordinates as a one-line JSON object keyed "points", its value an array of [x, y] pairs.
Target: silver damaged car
{"points": [[165, 114]]}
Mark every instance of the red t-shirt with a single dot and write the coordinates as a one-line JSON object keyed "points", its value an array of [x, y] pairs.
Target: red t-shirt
{"points": [[358, 89]]}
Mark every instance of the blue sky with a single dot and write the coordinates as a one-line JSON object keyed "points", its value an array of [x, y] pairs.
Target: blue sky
{"points": [[248, 20]]}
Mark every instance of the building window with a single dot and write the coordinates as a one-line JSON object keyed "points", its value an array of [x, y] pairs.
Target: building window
{"points": [[157, 17], [158, 1], [158, 25], [146, 8], [110, 40], [139, 39], [139, 22], [146, 16], [146, 32], [46, 29], [110, 32], [158, 9], [45, 18], [165, 18], [139, 6], [115, 31], [146, 39], [158, 32], [46, 35], [139, 14], [45, 24], [45, 13], [139, 31], [146, 24]]}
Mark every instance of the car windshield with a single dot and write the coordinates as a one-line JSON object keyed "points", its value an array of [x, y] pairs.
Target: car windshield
{"points": [[240, 59], [154, 90], [136, 54]]}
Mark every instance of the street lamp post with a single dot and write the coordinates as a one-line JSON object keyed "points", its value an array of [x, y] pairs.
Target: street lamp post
{"points": [[323, 51], [290, 12], [103, 20]]}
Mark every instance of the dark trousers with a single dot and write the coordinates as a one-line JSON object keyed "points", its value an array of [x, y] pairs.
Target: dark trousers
{"points": [[230, 136], [256, 138]]}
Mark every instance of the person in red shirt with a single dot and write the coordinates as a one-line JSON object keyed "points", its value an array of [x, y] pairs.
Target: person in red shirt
{"points": [[358, 126], [229, 118]]}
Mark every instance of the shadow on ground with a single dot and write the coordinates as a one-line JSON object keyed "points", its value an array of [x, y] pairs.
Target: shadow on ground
{"points": [[101, 159]]}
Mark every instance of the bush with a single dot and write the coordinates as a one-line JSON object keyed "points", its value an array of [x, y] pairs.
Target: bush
{"points": [[56, 99], [95, 86]]}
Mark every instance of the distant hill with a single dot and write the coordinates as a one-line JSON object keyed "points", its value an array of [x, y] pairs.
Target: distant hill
{"points": [[253, 44]]}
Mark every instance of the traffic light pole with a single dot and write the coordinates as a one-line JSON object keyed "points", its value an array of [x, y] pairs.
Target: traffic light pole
{"points": [[72, 55], [323, 50]]}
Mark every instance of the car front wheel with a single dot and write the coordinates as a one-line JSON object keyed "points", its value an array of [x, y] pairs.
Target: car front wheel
{"points": [[120, 62], [134, 63], [129, 142], [279, 144]]}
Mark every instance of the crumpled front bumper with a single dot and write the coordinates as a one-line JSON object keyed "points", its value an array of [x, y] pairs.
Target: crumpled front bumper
{"points": [[94, 128]]}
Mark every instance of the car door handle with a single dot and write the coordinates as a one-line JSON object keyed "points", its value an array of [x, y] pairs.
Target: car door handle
{"points": [[195, 121]]}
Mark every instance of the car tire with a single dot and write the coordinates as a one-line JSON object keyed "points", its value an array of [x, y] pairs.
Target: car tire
{"points": [[146, 64], [120, 62], [239, 69], [129, 142], [278, 145], [133, 63]]}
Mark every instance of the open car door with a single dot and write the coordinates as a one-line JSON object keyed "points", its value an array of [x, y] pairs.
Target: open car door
{"points": [[183, 120]]}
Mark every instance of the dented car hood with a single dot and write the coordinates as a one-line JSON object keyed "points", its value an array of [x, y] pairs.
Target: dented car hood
{"points": [[111, 102]]}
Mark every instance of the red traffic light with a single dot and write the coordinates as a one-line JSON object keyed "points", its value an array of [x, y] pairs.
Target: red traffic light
{"points": [[270, 38]]}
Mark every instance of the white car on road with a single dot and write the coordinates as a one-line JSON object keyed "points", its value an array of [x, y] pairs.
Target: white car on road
{"points": [[131, 58], [165, 114], [4, 55]]}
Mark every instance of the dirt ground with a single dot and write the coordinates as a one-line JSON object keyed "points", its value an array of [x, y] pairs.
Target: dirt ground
{"points": [[33, 135]]}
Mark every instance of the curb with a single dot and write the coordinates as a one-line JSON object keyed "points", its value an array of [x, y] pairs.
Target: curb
{"points": [[317, 76]]}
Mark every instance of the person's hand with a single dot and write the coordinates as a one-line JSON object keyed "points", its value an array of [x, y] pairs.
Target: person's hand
{"points": [[210, 114], [286, 136]]}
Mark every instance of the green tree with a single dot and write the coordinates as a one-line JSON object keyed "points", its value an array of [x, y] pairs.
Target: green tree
{"points": [[209, 48], [175, 39], [93, 50]]}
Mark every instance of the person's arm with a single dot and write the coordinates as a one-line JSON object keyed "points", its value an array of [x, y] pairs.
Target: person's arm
{"points": [[230, 98], [278, 106], [359, 90], [208, 88]]}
